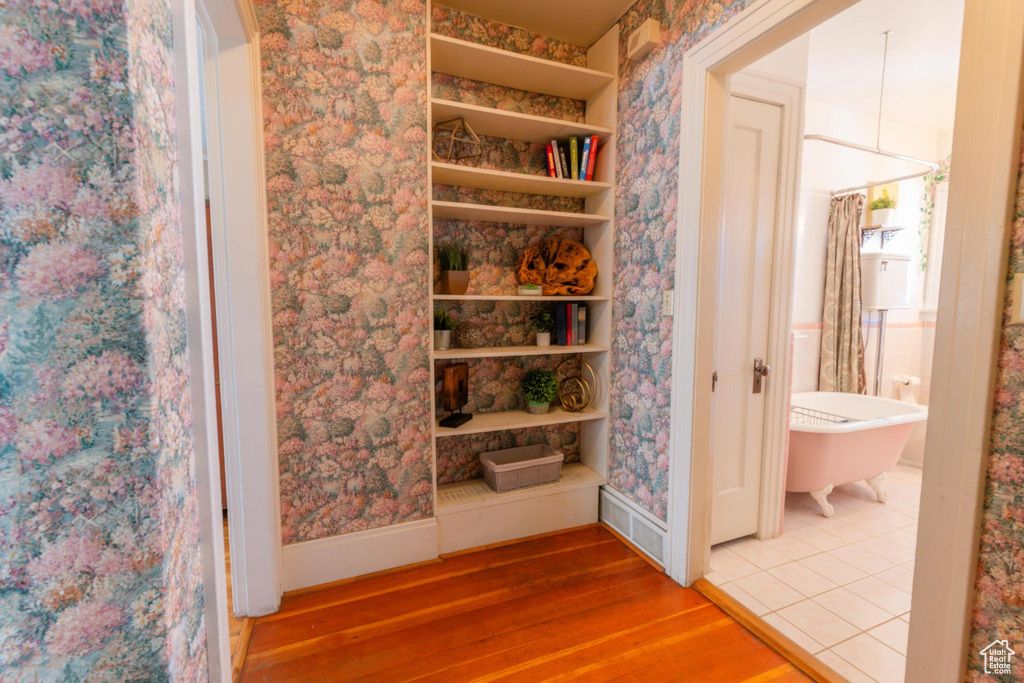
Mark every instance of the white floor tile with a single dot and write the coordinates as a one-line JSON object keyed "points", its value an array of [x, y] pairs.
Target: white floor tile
{"points": [[853, 608], [791, 523], [843, 530], [716, 579], [894, 634], [861, 559], [844, 668], [745, 599], [898, 576], [879, 661], [905, 617], [793, 633], [730, 565], [817, 537], [903, 538], [806, 514], [878, 592], [810, 617], [758, 553], [791, 546], [887, 549], [800, 578], [765, 588], [833, 569]]}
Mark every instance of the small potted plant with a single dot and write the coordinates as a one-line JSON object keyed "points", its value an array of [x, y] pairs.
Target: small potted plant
{"points": [[883, 209], [542, 322], [454, 268], [444, 323], [540, 388]]}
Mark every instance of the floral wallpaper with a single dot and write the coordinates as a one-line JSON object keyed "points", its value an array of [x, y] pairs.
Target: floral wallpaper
{"points": [[99, 532], [999, 592], [647, 157], [344, 87]]}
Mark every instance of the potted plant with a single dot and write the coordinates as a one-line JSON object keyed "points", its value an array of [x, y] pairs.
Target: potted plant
{"points": [[542, 322], [454, 263], [444, 323], [540, 388], [883, 209]]}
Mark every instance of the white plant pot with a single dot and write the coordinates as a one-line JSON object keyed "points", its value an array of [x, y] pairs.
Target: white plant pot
{"points": [[543, 339], [883, 216], [442, 340]]}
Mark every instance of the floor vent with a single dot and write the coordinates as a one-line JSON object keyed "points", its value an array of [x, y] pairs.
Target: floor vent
{"points": [[616, 513]]}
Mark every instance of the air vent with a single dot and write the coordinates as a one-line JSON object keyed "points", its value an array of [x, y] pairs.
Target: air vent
{"points": [[622, 515], [649, 539], [615, 515]]}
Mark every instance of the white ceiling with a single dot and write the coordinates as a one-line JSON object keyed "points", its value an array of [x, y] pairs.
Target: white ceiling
{"points": [[845, 60], [580, 22]]}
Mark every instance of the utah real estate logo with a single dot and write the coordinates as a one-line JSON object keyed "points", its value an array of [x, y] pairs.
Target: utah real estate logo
{"points": [[997, 656]]}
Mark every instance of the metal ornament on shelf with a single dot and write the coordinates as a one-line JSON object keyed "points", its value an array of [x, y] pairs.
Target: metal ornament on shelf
{"points": [[456, 141], [468, 336], [576, 394]]}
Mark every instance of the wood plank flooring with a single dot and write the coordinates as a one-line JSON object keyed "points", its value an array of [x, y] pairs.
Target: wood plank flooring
{"points": [[579, 605]]}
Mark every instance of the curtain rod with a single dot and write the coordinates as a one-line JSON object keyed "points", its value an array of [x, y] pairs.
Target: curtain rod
{"points": [[847, 190], [873, 150]]}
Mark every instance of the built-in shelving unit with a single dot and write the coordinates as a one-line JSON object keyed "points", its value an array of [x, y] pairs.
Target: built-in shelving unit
{"points": [[469, 513]]}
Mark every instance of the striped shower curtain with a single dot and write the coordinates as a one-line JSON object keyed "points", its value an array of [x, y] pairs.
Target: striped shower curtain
{"points": [[842, 347]]}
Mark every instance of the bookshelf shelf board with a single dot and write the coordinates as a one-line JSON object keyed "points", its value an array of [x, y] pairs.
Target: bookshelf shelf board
{"points": [[512, 125], [510, 297], [504, 181], [506, 351], [517, 419], [490, 65], [509, 214], [475, 493]]}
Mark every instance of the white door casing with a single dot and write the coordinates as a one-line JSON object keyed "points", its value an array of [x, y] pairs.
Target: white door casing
{"points": [[751, 192]]}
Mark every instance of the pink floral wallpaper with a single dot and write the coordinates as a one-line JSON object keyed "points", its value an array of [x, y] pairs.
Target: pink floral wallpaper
{"points": [[344, 87], [99, 533], [647, 158], [999, 590]]}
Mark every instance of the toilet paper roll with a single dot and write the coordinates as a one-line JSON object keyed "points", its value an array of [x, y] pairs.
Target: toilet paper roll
{"points": [[908, 388]]}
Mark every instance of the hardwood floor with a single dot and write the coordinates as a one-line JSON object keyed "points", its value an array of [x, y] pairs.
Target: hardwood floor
{"points": [[239, 630], [580, 605]]}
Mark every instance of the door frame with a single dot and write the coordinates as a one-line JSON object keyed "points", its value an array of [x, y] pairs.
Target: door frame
{"points": [[789, 96], [986, 145]]}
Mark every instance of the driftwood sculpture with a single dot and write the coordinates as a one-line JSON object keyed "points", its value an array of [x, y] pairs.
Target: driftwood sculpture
{"points": [[559, 266]]}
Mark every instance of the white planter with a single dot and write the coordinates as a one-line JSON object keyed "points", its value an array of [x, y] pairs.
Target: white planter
{"points": [[883, 216], [543, 339], [442, 340]]}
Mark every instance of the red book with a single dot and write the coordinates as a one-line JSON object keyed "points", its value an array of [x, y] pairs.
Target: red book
{"points": [[569, 341], [593, 156], [551, 162]]}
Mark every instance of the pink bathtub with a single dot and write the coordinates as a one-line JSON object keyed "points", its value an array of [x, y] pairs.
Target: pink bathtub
{"points": [[837, 438]]}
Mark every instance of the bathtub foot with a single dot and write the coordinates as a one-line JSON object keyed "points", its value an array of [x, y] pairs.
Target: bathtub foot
{"points": [[876, 484], [822, 499]]}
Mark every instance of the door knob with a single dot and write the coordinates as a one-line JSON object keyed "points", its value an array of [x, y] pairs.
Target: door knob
{"points": [[765, 370], [761, 370]]}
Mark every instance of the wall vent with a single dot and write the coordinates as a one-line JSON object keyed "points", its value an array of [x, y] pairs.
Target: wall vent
{"points": [[620, 515]]}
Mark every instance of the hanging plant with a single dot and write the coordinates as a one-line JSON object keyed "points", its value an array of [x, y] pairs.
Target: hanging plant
{"points": [[931, 181]]}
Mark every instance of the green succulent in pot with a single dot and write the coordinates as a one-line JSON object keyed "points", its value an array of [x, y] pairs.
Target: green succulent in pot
{"points": [[444, 323], [454, 262], [542, 322], [540, 388]]}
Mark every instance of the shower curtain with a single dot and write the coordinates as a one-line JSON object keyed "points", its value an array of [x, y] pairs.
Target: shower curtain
{"points": [[842, 347]]}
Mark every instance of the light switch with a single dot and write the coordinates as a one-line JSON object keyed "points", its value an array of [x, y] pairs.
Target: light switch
{"points": [[1017, 300], [666, 302]]}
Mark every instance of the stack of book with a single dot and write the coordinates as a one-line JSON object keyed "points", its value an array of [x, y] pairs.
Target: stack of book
{"points": [[570, 324], [573, 158]]}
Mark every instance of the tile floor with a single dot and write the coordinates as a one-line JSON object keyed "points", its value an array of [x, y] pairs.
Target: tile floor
{"points": [[838, 587]]}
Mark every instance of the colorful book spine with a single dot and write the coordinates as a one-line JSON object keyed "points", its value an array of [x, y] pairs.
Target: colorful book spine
{"points": [[575, 316], [593, 157], [565, 161], [574, 157], [568, 324], [558, 160], [581, 319], [560, 325], [584, 158], [551, 162]]}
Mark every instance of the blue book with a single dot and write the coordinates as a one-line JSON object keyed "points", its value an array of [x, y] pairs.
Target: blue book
{"points": [[560, 322], [584, 157]]}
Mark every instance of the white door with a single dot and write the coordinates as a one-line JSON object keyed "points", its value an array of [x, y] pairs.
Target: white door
{"points": [[744, 296]]}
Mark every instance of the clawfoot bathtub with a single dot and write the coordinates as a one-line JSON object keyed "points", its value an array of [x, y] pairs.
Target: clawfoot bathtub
{"points": [[837, 438]]}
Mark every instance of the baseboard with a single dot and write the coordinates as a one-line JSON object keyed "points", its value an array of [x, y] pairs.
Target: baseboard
{"points": [[911, 463], [637, 525], [324, 560]]}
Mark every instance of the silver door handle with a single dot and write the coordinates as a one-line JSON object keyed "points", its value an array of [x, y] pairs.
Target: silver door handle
{"points": [[765, 370], [761, 370]]}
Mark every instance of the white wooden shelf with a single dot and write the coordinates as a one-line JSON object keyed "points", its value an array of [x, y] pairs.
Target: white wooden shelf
{"points": [[512, 297], [504, 181], [500, 67], [517, 419], [512, 351], [509, 214], [475, 493], [512, 125]]}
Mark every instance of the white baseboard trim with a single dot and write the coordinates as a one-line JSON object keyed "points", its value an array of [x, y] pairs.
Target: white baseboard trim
{"points": [[312, 563], [911, 463]]}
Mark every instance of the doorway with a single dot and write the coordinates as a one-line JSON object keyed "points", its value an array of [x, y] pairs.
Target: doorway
{"points": [[988, 47]]}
